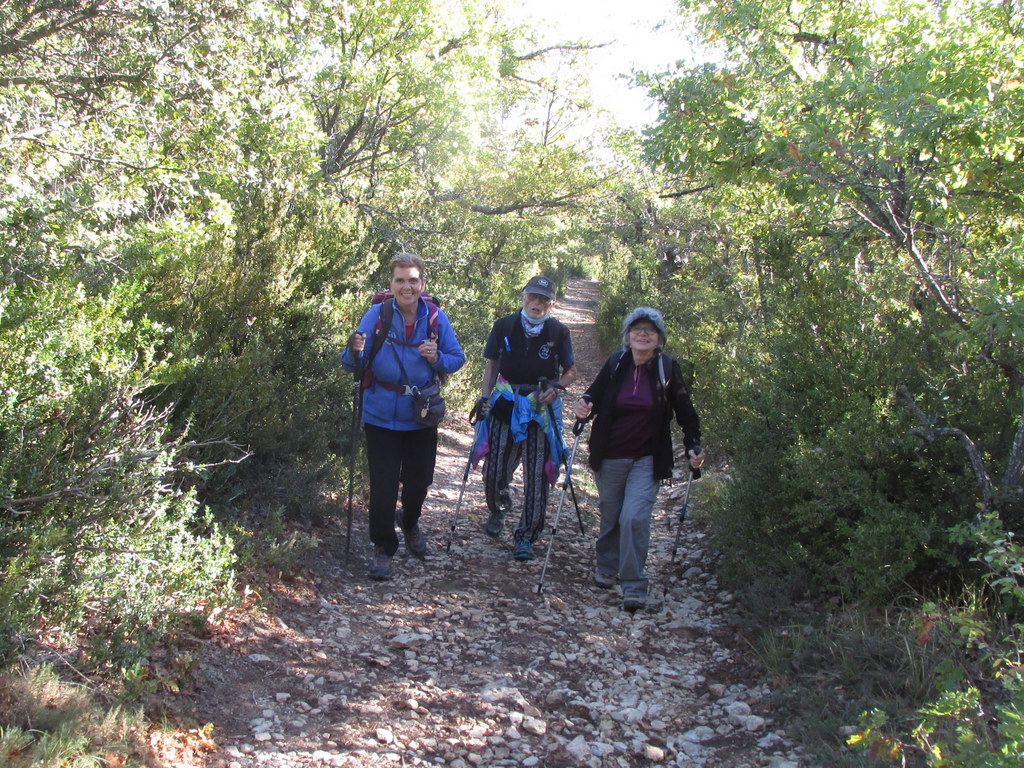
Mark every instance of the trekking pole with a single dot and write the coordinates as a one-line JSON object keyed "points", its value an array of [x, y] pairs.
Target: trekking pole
{"points": [[693, 474], [577, 430], [356, 407], [543, 383], [579, 516], [475, 416]]}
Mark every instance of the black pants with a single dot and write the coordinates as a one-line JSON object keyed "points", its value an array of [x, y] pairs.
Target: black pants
{"points": [[394, 457]]}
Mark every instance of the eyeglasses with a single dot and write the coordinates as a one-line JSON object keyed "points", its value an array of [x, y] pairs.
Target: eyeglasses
{"points": [[537, 297], [643, 329]]}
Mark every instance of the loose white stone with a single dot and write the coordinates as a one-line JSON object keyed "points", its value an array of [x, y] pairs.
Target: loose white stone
{"points": [[534, 725], [753, 723], [653, 753], [603, 749], [699, 734], [408, 640], [578, 748]]}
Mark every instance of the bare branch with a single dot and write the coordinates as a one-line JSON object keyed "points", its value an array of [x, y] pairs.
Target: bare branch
{"points": [[1015, 466], [928, 432], [451, 45], [926, 274], [14, 44], [684, 192], [568, 200], [810, 37], [565, 201], [563, 47]]}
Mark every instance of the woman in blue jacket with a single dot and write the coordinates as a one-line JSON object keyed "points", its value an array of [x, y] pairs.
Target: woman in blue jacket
{"points": [[398, 449]]}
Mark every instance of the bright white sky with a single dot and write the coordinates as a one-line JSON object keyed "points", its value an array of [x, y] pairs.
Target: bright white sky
{"points": [[636, 42]]}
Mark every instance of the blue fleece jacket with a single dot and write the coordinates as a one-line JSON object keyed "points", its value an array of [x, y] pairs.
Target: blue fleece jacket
{"points": [[383, 407]]}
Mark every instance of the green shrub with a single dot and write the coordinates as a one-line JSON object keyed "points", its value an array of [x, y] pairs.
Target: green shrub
{"points": [[971, 713], [98, 538]]}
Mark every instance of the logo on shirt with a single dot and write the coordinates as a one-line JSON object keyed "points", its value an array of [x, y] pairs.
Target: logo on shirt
{"points": [[545, 351]]}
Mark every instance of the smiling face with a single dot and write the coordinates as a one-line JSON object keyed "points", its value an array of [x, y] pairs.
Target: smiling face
{"points": [[536, 306], [643, 337], [407, 284]]}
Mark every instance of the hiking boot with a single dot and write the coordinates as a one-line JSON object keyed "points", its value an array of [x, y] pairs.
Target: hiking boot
{"points": [[523, 550], [380, 565], [634, 604], [495, 522], [504, 500], [415, 543], [603, 580]]}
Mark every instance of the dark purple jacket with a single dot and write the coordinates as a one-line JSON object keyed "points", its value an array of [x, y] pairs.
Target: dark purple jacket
{"points": [[670, 396]]}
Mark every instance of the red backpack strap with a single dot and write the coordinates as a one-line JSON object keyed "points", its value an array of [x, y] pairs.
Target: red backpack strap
{"points": [[433, 307]]}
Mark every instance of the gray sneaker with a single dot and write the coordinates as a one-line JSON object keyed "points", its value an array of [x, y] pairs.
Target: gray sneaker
{"points": [[495, 522], [603, 580], [504, 500], [634, 604], [415, 542], [380, 565]]}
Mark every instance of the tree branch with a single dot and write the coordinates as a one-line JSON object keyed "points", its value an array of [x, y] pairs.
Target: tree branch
{"points": [[928, 432], [564, 47], [1015, 466], [567, 200], [684, 192], [15, 44]]}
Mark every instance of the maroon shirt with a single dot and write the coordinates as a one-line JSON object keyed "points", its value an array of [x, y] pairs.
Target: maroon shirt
{"points": [[633, 427]]}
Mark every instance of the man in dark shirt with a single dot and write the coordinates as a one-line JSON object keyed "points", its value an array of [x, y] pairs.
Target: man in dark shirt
{"points": [[529, 364]]}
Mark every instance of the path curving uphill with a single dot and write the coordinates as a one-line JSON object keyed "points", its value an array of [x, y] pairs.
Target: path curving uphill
{"points": [[459, 662]]}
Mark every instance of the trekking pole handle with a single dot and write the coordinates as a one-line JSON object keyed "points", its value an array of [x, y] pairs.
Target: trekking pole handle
{"points": [[478, 413], [357, 354], [577, 428], [695, 471]]}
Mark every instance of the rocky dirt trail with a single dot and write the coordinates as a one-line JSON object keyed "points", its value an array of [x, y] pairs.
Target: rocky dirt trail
{"points": [[459, 662]]}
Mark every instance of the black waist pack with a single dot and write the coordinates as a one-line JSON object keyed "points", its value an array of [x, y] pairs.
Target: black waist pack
{"points": [[428, 404]]}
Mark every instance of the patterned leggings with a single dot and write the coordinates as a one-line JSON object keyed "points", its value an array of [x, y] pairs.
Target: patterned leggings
{"points": [[503, 458]]}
